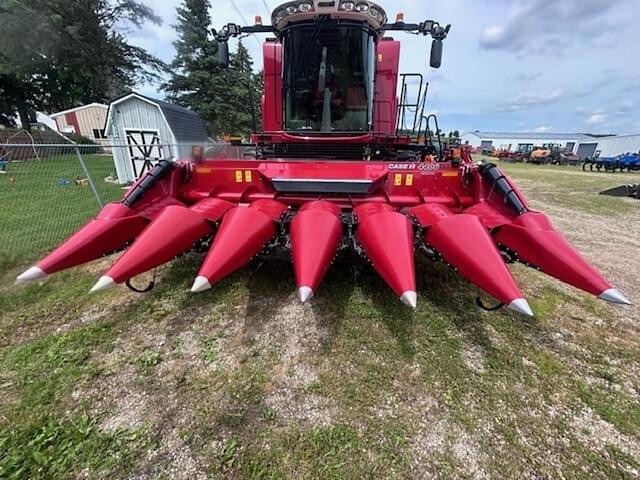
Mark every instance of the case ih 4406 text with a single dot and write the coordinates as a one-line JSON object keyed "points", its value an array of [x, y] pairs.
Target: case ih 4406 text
{"points": [[336, 166]]}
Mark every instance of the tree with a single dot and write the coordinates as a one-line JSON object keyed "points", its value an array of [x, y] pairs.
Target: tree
{"points": [[222, 97], [194, 67], [74, 52], [244, 95]]}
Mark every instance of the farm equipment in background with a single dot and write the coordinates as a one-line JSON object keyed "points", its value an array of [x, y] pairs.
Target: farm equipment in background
{"points": [[541, 156], [331, 172], [510, 157], [628, 161], [488, 151], [517, 157], [632, 191], [554, 156], [500, 154]]}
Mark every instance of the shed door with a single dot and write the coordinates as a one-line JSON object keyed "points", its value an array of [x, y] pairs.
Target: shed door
{"points": [[144, 149], [587, 150]]}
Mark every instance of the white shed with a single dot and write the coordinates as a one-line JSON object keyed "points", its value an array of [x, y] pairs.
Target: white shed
{"points": [[144, 131]]}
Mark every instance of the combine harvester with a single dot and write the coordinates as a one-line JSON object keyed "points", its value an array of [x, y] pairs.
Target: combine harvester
{"points": [[333, 171]]}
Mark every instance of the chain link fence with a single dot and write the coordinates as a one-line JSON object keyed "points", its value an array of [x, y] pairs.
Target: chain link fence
{"points": [[48, 191]]}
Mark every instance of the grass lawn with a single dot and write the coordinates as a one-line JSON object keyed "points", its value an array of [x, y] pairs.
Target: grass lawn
{"points": [[242, 382], [41, 205]]}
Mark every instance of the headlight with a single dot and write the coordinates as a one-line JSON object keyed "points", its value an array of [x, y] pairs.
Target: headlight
{"points": [[347, 6], [375, 13], [291, 9], [362, 7], [279, 16], [305, 7]]}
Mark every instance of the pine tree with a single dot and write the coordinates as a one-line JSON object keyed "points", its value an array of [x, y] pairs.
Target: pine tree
{"points": [[194, 62], [246, 93], [220, 96]]}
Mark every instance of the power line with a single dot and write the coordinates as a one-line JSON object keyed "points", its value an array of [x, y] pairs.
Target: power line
{"points": [[242, 17], [239, 12]]}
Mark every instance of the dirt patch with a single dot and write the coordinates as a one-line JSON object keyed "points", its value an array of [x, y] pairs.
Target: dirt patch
{"points": [[473, 357], [594, 431], [130, 412], [440, 440], [172, 459], [296, 335]]}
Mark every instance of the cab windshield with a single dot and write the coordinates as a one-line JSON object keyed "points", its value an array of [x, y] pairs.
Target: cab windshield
{"points": [[328, 78]]}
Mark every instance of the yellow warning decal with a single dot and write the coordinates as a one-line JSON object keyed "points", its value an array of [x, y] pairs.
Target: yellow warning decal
{"points": [[248, 177], [397, 181], [380, 58], [238, 176], [204, 170], [409, 181], [451, 174]]}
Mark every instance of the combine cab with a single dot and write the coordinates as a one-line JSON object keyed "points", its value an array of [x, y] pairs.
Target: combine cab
{"points": [[333, 170]]}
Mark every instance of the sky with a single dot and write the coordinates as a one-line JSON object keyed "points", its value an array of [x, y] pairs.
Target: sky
{"points": [[559, 66]]}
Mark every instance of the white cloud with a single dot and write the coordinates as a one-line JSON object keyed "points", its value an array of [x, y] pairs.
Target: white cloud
{"points": [[543, 129], [542, 24], [596, 119], [501, 69], [526, 100], [492, 36]]}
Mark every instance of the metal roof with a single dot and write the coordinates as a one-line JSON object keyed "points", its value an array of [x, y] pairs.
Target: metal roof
{"points": [[531, 136], [186, 125], [76, 109]]}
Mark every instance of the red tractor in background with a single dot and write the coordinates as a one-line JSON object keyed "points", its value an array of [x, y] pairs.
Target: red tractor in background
{"points": [[333, 170]]}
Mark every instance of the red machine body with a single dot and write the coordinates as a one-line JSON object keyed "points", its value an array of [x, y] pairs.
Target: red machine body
{"points": [[334, 168]]}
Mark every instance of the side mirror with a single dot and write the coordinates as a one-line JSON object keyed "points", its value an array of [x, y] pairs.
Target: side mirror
{"points": [[436, 54], [223, 54]]}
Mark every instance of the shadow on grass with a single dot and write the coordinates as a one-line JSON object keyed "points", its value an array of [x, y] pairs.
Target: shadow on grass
{"points": [[450, 294], [269, 284], [332, 300], [351, 288]]}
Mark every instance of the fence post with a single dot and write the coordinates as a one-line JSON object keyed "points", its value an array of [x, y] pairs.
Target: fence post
{"points": [[86, 172]]}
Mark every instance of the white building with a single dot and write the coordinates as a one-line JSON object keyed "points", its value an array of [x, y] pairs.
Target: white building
{"points": [[618, 145], [524, 142], [582, 145], [86, 120], [144, 131]]}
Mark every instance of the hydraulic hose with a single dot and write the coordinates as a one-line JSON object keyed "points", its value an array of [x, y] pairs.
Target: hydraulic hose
{"points": [[498, 181], [150, 180]]}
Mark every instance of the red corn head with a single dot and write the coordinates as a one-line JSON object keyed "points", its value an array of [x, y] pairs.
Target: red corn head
{"points": [[172, 233], [465, 244], [316, 233], [243, 234], [387, 239], [533, 238], [114, 227]]}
